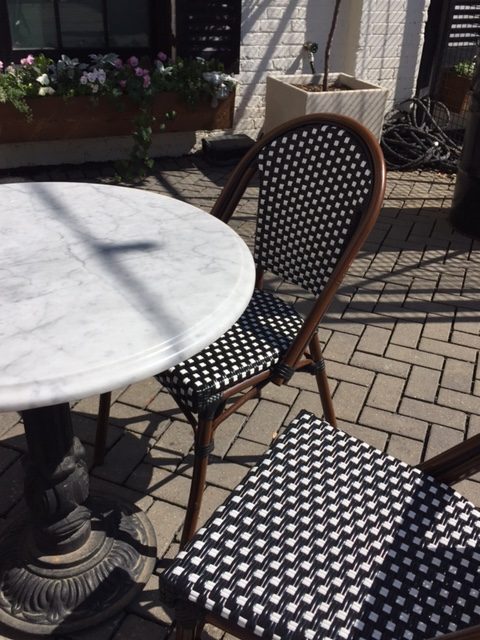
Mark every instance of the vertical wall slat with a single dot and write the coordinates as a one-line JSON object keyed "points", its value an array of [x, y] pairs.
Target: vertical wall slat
{"points": [[209, 29]]}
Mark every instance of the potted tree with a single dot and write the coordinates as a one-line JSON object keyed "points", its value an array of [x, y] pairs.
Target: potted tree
{"points": [[290, 96]]}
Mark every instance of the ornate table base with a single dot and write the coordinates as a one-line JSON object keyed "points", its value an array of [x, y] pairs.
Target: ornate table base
{"points": [[72, 561]]}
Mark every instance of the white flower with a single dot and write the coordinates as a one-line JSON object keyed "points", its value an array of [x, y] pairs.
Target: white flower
{"points": [[102, 76], [43, 80], [94, 88], [83, 78], [212, 77], [46, 91], [228, 78]]}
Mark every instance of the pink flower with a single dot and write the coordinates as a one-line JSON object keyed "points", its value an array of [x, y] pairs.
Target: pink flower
{"points": [[146, 80], [118, 63], [139, 71], [133, 61], [1, 65], [162, 56], [123, 83], [29, 60]]}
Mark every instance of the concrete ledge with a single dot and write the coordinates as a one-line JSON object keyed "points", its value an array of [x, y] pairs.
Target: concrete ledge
{"points": [[30, 154]]}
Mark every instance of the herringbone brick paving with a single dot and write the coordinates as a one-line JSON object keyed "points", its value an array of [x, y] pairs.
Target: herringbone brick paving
{"points": [[401, 342]]}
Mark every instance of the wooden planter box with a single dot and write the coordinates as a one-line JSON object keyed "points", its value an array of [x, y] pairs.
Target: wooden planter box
{"points": [[362, 100], [56, 118], [453, 91]]}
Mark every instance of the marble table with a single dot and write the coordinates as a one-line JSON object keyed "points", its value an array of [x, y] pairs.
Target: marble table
{"points": [[100, 286]]}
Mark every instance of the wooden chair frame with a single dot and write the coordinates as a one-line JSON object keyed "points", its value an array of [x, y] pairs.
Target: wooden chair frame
{"points": [[456, 464], [305, 353]]}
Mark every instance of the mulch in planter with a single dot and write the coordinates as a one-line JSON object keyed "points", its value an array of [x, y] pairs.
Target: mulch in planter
{"points": [[317, 88]]}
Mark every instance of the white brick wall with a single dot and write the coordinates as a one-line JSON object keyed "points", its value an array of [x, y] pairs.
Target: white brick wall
{"points": [[390, 44], [378, 40]]}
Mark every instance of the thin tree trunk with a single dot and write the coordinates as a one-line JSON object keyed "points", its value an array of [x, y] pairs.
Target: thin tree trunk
{"points": [[328, 46]]}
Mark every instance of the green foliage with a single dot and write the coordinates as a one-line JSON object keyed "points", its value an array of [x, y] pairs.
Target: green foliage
{"points": [[108, 75], [19, 82], [465, 69]]}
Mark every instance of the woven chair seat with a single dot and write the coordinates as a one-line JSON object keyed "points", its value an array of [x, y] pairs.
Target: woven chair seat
{"points": [[254, 344], [327, 538]]}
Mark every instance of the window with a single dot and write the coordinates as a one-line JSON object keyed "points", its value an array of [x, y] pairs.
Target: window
{"points": [[79, 27], [207, 28]]}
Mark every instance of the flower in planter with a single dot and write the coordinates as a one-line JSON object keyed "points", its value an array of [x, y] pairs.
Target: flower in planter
{"points": [[28, 60], [219, 83], [43, 79], [140, 80], [46, 91], [109, 75], [19, 81]]}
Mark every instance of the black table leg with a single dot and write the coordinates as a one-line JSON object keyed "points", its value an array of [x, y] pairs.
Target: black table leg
{"points": [[72, 560]]}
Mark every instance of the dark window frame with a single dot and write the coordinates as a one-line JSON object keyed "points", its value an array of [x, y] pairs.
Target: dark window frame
{"points": [[160, 36]]}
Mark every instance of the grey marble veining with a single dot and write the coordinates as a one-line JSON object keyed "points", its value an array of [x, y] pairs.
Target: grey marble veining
{"points": [[102, 286]]}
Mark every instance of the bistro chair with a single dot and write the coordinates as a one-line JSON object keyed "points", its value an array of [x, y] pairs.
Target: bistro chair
{"points": [[321, 184], [328, 538]]}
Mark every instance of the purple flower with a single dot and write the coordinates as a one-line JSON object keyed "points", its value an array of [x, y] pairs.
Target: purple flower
{"points": [[162, 56], [118, 63], [139, 71], [146, 81], [133, 61], [123, 83], [29, 60]]}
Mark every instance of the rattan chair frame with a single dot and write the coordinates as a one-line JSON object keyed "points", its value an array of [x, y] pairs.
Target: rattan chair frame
{"points": [[305, 353], [457, 463]]}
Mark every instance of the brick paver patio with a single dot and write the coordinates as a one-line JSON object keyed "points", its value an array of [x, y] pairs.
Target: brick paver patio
{"points": [[401, 344]]}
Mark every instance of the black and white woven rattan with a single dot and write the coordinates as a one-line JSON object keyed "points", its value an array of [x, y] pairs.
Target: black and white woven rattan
{"points": [[327, 538], [255, 343], [321, 183]]}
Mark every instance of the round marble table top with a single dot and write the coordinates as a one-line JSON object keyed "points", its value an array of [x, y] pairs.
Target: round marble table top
{"points": [[102, 286]]}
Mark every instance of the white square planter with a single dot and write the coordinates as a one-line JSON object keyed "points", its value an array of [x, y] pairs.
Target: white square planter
{"points": [[363, 101]]}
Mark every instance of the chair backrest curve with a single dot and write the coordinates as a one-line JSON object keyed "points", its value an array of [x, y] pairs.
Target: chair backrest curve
{"points": [[321, 186]]}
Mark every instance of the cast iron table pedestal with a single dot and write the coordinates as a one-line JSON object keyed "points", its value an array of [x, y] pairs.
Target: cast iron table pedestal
{"points": [[74, 560]]}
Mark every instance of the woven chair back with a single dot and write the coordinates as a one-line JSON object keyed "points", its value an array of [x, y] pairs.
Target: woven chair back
{"points": [[315, 184]]}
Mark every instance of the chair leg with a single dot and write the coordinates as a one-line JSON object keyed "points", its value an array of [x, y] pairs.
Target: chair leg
{"points": [[322, 381], [185, 633], [203, 448], [188, 625], [102, 428]]}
